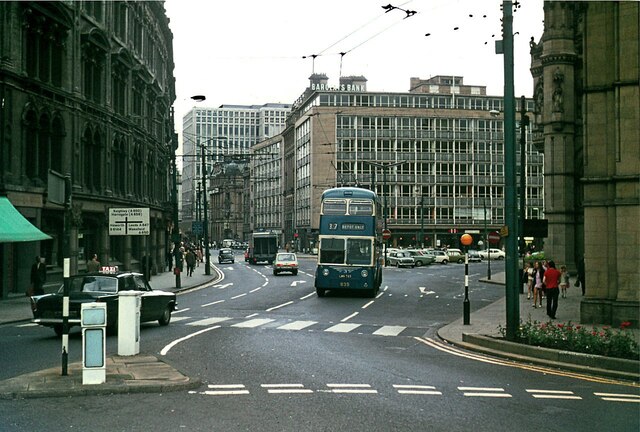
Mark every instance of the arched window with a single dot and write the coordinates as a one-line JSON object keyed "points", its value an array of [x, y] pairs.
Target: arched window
{"points": [[43, 147], [57, 137], [30, 135]]}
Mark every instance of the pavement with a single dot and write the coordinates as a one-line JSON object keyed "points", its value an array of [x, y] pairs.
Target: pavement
{"points": [[146, 373]]}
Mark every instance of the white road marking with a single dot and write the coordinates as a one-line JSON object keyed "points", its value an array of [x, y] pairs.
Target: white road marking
{"points": [[256, 289], [252, 315], [484, 392], [417, 390], [212, 303], [552, 394], [352, 388], [179, 318], [30, 325], [286, 388], [368, 304], [181, 311], [619, 397], [295, 283], [389, 331], [280, 306], [297, 325], [208, 321], [225, 390], [342, 328], [349, 317], [167, 348], [253, 323], [308, 295], [380, 295], [238, 296], [223, 286]]}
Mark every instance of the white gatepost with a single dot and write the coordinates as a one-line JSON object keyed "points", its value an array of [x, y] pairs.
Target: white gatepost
{"points": [[129, 323]]}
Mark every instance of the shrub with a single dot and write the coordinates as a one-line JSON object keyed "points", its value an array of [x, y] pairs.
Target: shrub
{"points": [[590, 340]]}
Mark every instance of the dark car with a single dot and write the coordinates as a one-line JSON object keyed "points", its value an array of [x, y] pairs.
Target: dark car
{"points": [[156, 305], [226, 255]]}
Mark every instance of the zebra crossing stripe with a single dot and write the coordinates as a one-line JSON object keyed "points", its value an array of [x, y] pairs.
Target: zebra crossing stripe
{"points": [[253, 323], [389, 331], [342, 328], [297, 325], [208, 321], [179, 318]]}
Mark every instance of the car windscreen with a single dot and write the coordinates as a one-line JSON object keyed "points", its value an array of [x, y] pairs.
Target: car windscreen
{"points": [[286, 257], [95, 284]]}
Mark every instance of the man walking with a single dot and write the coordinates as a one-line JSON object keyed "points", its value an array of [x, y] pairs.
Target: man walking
{"points": [[551, 281]]}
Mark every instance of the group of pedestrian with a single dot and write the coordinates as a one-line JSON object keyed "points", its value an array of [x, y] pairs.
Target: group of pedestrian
{"points": [[544, 280], [191, 254]]}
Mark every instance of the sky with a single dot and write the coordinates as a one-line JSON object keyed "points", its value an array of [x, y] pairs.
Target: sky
{"points": [[251, 52]]}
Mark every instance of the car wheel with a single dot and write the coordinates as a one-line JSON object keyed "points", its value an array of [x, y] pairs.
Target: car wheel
{"points": [[295, 272], [460, 261], [166, 316], [445, 262], [275, 273], [320, 292], [500, 258], [418, 263]]}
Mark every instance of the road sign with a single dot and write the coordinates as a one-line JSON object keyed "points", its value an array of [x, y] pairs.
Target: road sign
{"points": [[386, 234], [493, 237], [129, 221]]}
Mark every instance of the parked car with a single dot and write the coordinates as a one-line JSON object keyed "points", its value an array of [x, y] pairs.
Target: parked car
{"points": [[494, 254], [440, 256], [455, 255], [401, 259], [421, 258], [156, 305], [226, 255], [474, 256], [285, 262]]}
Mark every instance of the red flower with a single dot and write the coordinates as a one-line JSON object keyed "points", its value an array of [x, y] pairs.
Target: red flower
{"points": [[578, 327], [625, 324], [594, 333], [560, 325]]}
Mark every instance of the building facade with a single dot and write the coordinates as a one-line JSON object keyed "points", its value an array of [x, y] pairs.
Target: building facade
{"points": [[229, 130], [434, 155], [86, 91], [587, 116]]}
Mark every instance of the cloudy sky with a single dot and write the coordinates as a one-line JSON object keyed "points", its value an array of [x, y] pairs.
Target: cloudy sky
{"points": [[251, 51]]}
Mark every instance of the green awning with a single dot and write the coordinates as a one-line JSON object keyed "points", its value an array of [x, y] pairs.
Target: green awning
{"points": [[14, 227]]}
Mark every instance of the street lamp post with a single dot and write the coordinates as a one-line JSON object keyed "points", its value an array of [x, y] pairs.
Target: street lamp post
{"points": [[524, 122], [175, 234], [484, 206], [384, 182], [205, 228]]}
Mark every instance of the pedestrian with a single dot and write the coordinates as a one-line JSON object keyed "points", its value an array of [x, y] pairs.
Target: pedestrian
{"points": [[551, 282], [528, 278], [580, 279], [168, 259], [199, 255], [564, 280], [93, 265], [191, 261], [38, 275], [538, 276]]}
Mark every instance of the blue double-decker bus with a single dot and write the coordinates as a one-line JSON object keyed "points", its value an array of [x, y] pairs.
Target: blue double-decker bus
{"points": [[349, 242]]}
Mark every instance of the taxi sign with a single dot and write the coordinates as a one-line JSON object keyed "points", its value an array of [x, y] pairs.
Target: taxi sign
{"points": [[109, 269]]}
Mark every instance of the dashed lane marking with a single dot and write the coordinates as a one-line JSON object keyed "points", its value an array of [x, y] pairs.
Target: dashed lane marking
{"points": [[208, 321], [286, 388], [490, 392], [389, 331], [351, 389], [619, 397], [417, 390], [279, 306], [297, 325], [552, 394]]}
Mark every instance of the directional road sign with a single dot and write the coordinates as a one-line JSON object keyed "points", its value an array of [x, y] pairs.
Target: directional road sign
{"points": [[129, 221]]}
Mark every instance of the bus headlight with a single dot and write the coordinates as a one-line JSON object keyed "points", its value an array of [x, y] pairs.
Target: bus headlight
{"points": [[364, 273], [325, 272]]}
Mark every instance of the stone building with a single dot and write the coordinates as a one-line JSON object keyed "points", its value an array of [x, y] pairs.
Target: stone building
{"points": [[435, 156], [86, 90], [587, 122]]}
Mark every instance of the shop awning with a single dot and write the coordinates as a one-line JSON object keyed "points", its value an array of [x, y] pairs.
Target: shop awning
{"points": [[14, 227]]}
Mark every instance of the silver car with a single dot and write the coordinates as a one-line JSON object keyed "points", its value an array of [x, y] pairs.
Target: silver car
{"points": [[401, 259]]}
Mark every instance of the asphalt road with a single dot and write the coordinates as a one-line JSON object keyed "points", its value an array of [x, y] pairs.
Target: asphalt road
{"points": [[273, 356]]}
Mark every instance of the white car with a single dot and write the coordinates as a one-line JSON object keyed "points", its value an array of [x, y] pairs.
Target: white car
{"points": [[440, 256], [285, 262], [494, 254]]}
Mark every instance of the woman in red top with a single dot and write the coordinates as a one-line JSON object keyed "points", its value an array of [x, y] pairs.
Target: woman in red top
{"points": [[551, 281]]}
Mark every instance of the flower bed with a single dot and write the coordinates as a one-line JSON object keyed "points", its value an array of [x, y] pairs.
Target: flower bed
{"points": [[590, 340]]}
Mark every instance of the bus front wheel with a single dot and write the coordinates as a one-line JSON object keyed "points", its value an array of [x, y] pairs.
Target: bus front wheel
{"points": [[320, 292]]}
